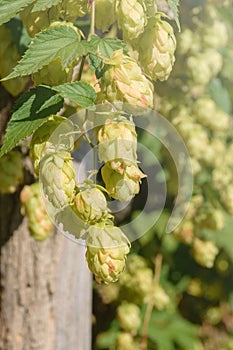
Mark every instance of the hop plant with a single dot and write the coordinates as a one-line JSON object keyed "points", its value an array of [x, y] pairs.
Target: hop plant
{"points": [[39, 223], [160, 298], [70, 10], [122, 182], [128, 315], [226, 197], [125, 341], [124, 81], [206, 113], [107, 247], [11, 174], [204, 252], [117, 139], [136, 282], [9, 57], [57, 175], [105, 14], [47, 139], [210, 218], [91, 205], [157, 45], [215, 35], [36, 21], [131, 17]]}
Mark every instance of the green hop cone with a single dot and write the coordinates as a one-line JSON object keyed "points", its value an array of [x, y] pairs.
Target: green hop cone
{"points": [[125, 341], [208, 114], [123, 182], [117, 139], [226, 197], [91, 205], [107, 247], [157, 45], [160, 298], [137, 281], [210, 218], [204, 252], [128, 315], [124, 81], [105, 14], [11, 174], [215, 35], [131, 17], [39, 223], [221, 178], [57, 174], [47, 138]]}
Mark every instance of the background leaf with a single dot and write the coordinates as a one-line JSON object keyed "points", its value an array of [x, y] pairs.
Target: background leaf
{"points": [[174, 4], [31, 111], [104, 47], [48, 45], [42, 5], [9, 8], [78, 92]]}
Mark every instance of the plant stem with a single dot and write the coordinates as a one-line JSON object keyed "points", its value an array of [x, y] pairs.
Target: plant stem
{"points": [[81, 68], [92, 27], [150, 305]]}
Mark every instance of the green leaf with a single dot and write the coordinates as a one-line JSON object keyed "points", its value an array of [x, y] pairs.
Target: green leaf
{"points": [[78, 92], [104, 47], [48, 45], [31, 111], [220, 95], [42, 5], [9, 8], [174, 4]]}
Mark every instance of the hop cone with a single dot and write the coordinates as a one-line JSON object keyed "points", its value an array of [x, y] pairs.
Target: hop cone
{"points": [[123, 81], [9, 57], [123, 182], [57, 175], [42, 142], [125, 341], [117, 140], [11, 174], [91, 205], [157, 45], [128, 315], [107, 248], [160, 298], [104, 14], [204, 252], [131, 17], [137, 280], [39, 223]]}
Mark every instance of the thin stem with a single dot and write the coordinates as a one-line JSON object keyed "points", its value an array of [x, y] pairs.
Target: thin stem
{"points": [[80, 72], [92, 28], [150, 305]]}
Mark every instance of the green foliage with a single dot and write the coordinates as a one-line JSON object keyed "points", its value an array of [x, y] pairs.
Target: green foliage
{"points": [[31, 111], [220, 95], [78, 92], [9, 8], [174, 6], [169, 330], [62, 42], [42, 5]]}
